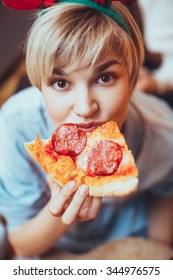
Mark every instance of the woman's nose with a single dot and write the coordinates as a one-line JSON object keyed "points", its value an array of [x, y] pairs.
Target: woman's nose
{"points": [[85, 104]]}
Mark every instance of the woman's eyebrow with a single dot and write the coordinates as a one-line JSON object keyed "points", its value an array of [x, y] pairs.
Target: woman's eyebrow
{"points": [[96, 71], [59, 72], [102, 67]]}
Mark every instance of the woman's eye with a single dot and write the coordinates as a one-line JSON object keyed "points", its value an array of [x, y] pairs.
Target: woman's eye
{"points": [[104, 79], [60, 84]]}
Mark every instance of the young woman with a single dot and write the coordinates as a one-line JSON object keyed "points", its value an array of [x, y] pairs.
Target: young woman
{"points": [[84, 63]]}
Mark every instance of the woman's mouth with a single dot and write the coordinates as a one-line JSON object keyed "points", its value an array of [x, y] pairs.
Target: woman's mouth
{"points": [[89, 127]]}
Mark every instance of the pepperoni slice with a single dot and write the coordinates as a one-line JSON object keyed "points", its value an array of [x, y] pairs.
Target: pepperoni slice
{"points": [[104, 158], [68, 140]]}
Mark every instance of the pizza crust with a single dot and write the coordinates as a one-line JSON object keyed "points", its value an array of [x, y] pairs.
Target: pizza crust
{"points": [[121, 186]]}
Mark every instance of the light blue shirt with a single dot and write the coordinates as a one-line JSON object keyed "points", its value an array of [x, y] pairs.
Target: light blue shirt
{"points": [[23, 187]]}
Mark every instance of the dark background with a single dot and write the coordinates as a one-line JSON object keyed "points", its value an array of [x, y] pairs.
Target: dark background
{"points": [[14, 26]]}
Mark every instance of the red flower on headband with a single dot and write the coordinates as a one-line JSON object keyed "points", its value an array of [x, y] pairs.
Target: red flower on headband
{"points": [[49, 3], [36, 4], [27, 4], [23, 4]]}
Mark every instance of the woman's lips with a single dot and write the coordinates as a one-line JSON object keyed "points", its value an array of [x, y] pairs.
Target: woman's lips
{"points": [[88, 127]]}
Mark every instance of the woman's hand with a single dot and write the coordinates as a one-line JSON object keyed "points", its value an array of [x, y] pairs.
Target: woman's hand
{"points": [[73, 204]]}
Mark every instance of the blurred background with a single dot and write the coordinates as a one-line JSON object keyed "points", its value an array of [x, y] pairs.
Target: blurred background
{"points": [[14, 26]]}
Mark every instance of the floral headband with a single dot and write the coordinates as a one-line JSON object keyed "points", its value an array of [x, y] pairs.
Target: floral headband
{"points": [[103, 6]]}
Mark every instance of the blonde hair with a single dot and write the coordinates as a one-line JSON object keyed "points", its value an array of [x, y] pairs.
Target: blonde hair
{"points": [[75, 35]]}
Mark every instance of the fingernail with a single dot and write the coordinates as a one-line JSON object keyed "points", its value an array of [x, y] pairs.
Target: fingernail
{"points": [[83, 190], [71, 186]]}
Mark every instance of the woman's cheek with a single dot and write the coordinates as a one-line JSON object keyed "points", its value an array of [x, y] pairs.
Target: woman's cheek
{"points": [[58, 111], [117, 108]]}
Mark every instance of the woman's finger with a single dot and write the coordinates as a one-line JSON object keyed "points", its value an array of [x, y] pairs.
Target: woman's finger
{"points": [[58, 201], [73, 209], [90, 209], [54, 187], [83, 212], [94, 207]]}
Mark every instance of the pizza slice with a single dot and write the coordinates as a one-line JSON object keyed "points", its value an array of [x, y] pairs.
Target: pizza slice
{"points": [[100, 159]]}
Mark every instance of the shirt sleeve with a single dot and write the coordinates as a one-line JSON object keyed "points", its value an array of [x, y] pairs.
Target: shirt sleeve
{"points": [[23, 187]]}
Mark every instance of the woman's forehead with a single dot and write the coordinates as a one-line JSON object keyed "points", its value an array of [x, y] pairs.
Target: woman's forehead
{"points": [[96, 67]]}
